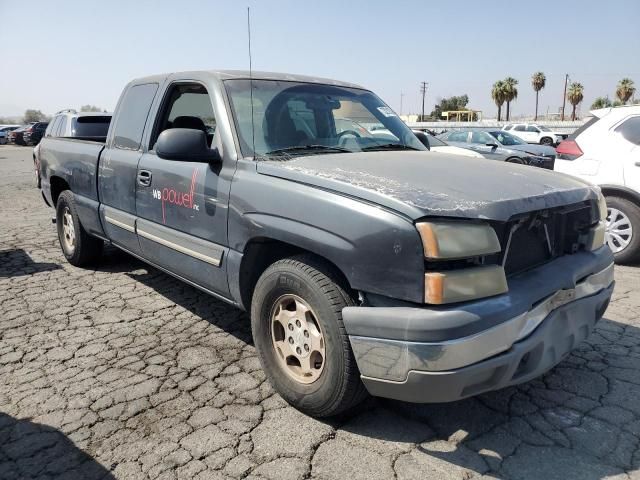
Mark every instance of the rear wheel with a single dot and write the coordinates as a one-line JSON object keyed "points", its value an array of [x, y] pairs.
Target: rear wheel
{"points": [[623, 229], [79, 248], [296, 319]]}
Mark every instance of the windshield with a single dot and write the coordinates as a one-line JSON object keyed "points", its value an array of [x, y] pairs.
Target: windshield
{"points": [[304, 118], [435, 142], [506, 138], [544, 129]]}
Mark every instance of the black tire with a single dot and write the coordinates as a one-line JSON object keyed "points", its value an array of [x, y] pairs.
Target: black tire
{"points": [[85, 249], [338, 388], [546, 141], [515, 160], [631, 253]]}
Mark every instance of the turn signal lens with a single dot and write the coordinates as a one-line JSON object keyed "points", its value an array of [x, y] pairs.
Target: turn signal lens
{"points": [[602, 207], [464, 284], [451, 240], [594, 238]]}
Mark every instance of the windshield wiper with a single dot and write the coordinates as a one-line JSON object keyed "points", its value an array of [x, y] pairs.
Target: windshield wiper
{"points": [[308, 148], [389, 146]]}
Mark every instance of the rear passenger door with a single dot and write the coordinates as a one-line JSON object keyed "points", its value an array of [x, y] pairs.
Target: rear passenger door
{"points": [[119, 165], [182, 205]]}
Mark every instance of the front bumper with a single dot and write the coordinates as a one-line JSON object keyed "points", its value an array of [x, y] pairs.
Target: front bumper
{"points": [[445, 354]]}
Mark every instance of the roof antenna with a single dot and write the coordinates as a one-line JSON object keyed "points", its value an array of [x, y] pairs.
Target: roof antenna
{"points": [[253, 127]]}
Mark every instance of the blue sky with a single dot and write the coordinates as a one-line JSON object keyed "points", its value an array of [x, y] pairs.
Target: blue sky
{"points": [[86, 51]]}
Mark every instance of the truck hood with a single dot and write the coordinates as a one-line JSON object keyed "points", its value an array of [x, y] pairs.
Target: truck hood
{"points": [[419, 184]]}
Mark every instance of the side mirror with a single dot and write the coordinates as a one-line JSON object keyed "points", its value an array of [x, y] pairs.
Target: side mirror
{"points": [[492, 145], [185, 144], [423, 138]]}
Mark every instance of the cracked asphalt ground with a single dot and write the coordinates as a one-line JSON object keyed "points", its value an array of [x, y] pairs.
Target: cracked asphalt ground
{"points": [[123, 372]]}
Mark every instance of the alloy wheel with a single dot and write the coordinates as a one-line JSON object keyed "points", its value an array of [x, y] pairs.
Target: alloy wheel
{"points": [[68, 230], [297, 339]]}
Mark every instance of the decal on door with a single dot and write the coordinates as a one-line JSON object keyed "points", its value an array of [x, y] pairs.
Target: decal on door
{"points": [[175, 197]]}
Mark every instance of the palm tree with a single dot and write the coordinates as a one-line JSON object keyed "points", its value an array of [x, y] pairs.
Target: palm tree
{"points": [[538, 82], [601, 102], [497, 94], [510, 93], [625, 90], [575, 94]]}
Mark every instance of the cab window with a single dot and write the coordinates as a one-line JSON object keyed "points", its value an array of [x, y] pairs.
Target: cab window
{"points": [[132, 116], [520, 128], [188, 105]]}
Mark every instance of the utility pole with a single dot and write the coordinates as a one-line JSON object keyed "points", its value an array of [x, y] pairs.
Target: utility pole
{"points": [[564, 95], [423, 90]]}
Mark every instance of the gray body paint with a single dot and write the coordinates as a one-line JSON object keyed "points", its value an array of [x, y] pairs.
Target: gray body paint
{"points": [[355, 210]]}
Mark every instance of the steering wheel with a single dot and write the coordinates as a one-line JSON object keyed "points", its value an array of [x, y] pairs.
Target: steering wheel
{"points": [[349, 132]]}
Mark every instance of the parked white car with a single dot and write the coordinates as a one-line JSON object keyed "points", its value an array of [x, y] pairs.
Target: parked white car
{"points": [[606, 151], [534, 133]]}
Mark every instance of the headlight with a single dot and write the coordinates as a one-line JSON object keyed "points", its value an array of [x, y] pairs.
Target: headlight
{"points": [[594, 239], [451, 240], [443, 240], [464, 284]]}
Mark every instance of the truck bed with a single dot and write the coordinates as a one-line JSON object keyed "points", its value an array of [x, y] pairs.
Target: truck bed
{"points": [[74, 160]]}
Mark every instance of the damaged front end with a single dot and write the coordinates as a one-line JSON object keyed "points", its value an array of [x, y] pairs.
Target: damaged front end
{"points": [[533, 239]]}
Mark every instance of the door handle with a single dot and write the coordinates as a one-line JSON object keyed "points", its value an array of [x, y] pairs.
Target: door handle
{"points": [[144, 178]]}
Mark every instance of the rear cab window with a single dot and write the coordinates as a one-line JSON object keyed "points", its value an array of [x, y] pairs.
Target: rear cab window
{"points": [[132, 116]]}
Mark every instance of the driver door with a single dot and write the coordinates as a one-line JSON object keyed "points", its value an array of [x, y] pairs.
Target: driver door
{"points": [[182, 205]]}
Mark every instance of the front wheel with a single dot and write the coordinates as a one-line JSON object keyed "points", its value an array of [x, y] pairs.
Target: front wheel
{"points": [[546, 141], [515, 160], [623, 229], [79, 248], [296, 319]]}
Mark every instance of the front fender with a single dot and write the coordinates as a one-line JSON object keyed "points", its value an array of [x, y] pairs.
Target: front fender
{"points": [[377, 250]]}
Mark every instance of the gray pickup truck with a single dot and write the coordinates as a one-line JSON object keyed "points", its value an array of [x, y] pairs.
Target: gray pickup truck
{"points": [[367, 264]]}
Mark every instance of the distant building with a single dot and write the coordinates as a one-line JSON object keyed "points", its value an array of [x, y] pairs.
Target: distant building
{"points": [[462, 116]]}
